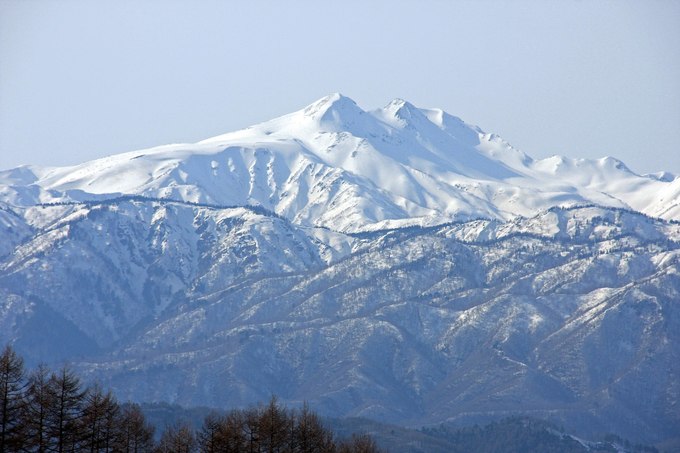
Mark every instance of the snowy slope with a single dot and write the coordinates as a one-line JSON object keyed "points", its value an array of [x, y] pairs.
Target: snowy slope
{"points": [[335, 165], [107, 267]]}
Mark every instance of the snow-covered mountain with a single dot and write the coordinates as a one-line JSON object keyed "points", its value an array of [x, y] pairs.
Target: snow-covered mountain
{"points": [[335, 165], [397, 264]]}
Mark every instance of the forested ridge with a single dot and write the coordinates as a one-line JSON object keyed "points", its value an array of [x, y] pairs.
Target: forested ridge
{"points": [[51, 411]]}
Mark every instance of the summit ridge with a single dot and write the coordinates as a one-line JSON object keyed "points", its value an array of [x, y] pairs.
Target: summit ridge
{"points": [[421, 166]]}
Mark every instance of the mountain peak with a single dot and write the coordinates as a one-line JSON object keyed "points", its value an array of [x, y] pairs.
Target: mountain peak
{"points": [[399, 103], [402, 109], [400, 113], [335, 108]]}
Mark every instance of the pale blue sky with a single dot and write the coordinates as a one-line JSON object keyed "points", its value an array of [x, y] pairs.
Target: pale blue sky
{"points": [[80, 79]]}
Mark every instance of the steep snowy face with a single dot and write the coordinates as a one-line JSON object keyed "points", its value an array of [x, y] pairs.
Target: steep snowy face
{"points": [[335, 165], [104, 268]]}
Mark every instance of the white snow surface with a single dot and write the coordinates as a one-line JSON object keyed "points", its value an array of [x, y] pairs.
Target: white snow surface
{"points": [[335, 165]]}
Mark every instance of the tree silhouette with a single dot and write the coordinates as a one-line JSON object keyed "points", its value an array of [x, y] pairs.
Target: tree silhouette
{"points": [[65, 413], [273, 427], [361, 443], [178, 438], [210, 438], [12, 386], [309, 434], [100, 411], [135, 435], [39, 400]]}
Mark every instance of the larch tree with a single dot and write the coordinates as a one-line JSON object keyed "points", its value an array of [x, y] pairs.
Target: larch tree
{"points": [[64, 417], [12, 386], [211, 438], [359, 443], [309, 433], [97, 423], [251, 430], [273, 427], [178, 438], [39, 402], [232, 433], [134, 435]]}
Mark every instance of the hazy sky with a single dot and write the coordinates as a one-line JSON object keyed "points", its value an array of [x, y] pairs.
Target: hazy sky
{"points": [[80, 79]]}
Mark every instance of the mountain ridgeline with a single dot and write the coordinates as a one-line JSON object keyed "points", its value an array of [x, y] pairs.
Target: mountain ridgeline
{"points": [[397, 264]]}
